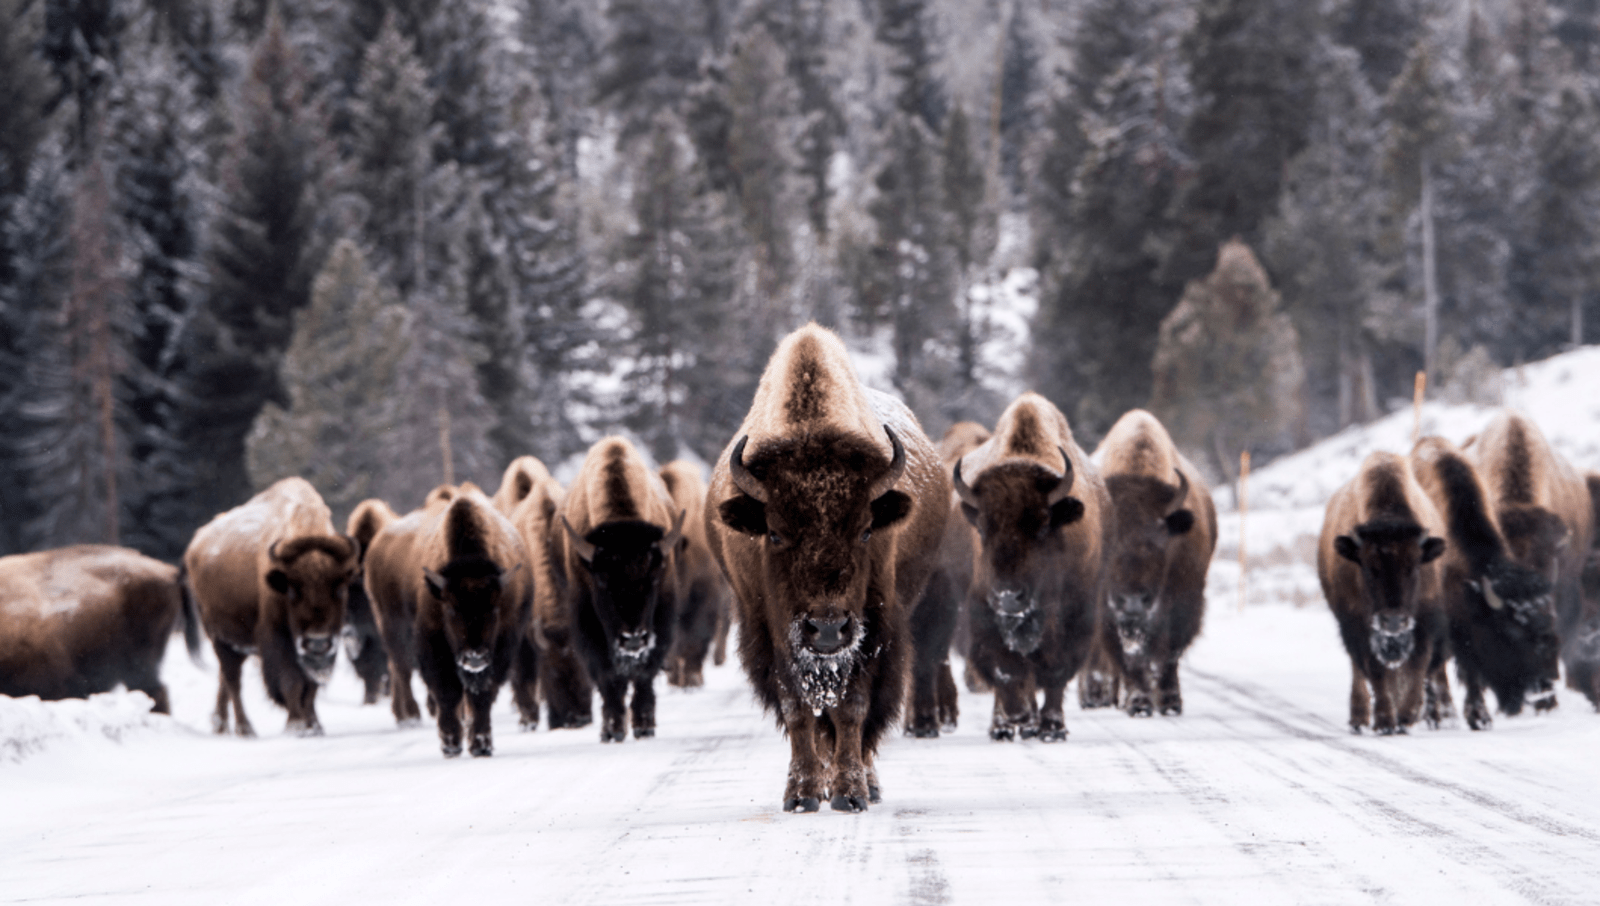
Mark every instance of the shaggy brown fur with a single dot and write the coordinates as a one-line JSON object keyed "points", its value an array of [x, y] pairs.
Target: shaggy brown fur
{"points": [[1502, 616], [79, 620], [1542, 505], [826, 549], [1378, 560], [453, 591], [703, 605], [363, 644], [1164, 532], [549, 667], [519, 480], [271, 578], [1044, 527], [619, 548]]}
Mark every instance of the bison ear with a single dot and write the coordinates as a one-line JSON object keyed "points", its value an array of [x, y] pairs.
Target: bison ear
{"points": [[1180, 522], [1348, 548], [435, 582], [970, 512], [744, 514], [890, 509], [278, 581], [1065, 512], [1431, 549]]}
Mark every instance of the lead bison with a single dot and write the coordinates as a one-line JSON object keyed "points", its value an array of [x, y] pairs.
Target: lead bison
{"points": [[1164, 530], [79, 620], [1502, 615], [619, 557], [703, 601], [1542, 505], [825, 513], [1378, 563], [453, 593], [363, 644], [1042, 514], [933, 703], [271, 577]]}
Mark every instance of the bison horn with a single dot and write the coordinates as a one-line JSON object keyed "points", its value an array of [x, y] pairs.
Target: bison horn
{"points": [[742, 479], [1065, 485], [1181, 495], [584, 548], [897, 467], [968, 495], [666, 544], [1489, 594]]}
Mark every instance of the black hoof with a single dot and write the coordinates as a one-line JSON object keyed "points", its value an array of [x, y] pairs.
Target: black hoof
{"points": [[923, 731], [1172, 709], [1028, 731], [450, 751], [643, 732], [1054, 734], [803, 804], [607, 736], [1003, 734], [874, 793], [482, 747], [848, 804]]}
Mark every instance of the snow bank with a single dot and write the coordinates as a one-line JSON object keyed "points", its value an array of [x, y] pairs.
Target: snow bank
{"points": [[29, 726]]}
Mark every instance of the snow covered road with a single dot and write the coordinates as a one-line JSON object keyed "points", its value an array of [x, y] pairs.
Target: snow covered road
{"points": [[1257, 794]]}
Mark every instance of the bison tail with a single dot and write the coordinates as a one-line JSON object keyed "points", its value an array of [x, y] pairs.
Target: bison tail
{"points": [[189, 612]]}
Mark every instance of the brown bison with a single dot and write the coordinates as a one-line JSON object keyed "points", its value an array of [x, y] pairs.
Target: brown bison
{"points": [[1502, 615], [703, 592], [1582, 643], [1164, 531], [826, 513], [932, 703], [619, 551], [1378, 560], [547, 666], [79, 620], [453, 593], [363, 644], [1042, 514], [271, 577], [519, 480], [1542, 505]]}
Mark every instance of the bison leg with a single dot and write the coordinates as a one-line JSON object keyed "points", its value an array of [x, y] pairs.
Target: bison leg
{"points": [[1409, 683], [1360, 699], [1052, 718], [806, 786], [1138, 676], [1171, 692], [848, 788], [568, 696], [1438, 708], [229, 662], [525, 684], [149, 682], [289, 686], [613, 711], [371, 665], [1099, 685], [402, 702], [1474, 708], [719, 653], [1385, 690], [644, 707], [479, 706], [949, 698], [1015, 711], [449, 700]]}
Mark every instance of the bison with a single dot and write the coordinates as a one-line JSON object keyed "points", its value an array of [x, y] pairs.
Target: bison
{"points": [[1042, 515], [1163, 532], [619, 552], [825, 513], [547, 666], [935, 621], [703, 601], [519, 480], [1542, 505], [79, 620], [453, 593], [1378, 563], [1502, 617], [1582, 643], [363, 644], [271, 577]]}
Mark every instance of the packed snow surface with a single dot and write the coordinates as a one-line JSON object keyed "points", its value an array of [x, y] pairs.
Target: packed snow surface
{"points": [[1258, 793]]}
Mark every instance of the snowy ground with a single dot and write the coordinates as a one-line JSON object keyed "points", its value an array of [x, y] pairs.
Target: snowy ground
{"points": [[1257, 794]]}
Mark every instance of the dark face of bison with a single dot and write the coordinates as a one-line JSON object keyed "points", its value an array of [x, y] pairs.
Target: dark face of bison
{"points": [[627, 565], [470, 593], [1018, 509], [311, 578], [815, 505], [1520, 605], [1151, 523], [1391, 554], [1536, 537]]}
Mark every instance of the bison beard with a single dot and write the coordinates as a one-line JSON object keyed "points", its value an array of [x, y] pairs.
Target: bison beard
{"points": [[823, 678]]}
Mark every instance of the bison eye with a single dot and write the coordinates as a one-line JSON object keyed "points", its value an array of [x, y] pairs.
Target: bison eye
{"points": [[775, 539], [866, 536]]}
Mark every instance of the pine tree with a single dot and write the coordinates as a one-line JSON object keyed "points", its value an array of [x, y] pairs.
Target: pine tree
{"points": [[1383, 33], [905, 27], [82, 42], [24, 86], [651, 56]]}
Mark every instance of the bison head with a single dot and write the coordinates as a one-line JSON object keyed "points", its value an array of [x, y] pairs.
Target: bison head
{"points": [[814, 505], [1018, 509], [1151, 521], [1520, 607], [626, 562], [311, 577], [1536, 538], [1391, 554], [470, 592]]}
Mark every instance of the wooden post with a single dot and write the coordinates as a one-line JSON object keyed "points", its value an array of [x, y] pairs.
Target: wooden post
{"points": [[444, 446], [1419, 390], [1244, 509]]}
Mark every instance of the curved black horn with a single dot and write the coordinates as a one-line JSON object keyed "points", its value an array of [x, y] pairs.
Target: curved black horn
{"points": [[1065, 485], [583, 547], [1182, 495], [967, 495], [670, 540], [272, 551], [897, 467], [742, 479]]}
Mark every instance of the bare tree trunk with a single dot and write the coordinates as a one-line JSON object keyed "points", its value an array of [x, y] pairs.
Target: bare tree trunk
{"points": [[1430, 286], [445, 451]]}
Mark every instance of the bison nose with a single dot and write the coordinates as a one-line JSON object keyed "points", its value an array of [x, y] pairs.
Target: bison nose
{"points": [[1008, 601], [827, 635], [640, 640], [315, 645], [1392, 622], [473, 660]]}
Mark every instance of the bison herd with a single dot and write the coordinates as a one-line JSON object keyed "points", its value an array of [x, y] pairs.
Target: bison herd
{"points": [[854, 554]]}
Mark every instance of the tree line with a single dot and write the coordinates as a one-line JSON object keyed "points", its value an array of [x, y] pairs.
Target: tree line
{"points": [[386, 243]]}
